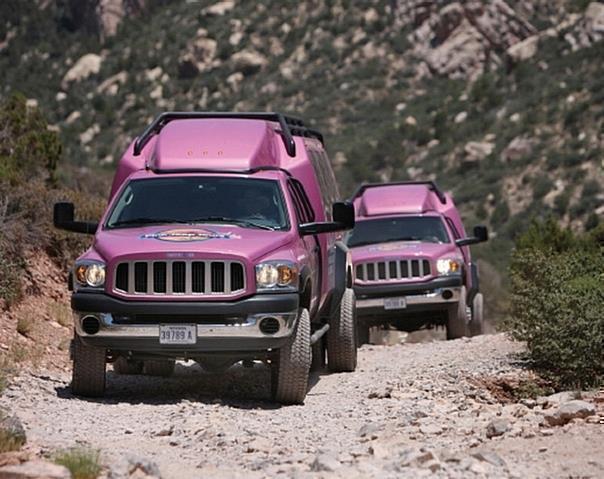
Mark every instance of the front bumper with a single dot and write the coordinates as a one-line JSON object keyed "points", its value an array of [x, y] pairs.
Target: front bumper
{"points": [[434, 295], [220, 326]]}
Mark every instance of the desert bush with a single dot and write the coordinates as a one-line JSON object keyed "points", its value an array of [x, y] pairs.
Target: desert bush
{"points": [[12, 434], [557, 291], [29, 155], [25, 325], [82, 463]]}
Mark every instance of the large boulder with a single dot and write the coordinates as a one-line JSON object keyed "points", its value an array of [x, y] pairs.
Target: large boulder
{"points": [[89, 64], [199, 56], [478, 150], [520, 147], [589, 29], [524, 50], [568, 411], [249, 61], [464, 39]]}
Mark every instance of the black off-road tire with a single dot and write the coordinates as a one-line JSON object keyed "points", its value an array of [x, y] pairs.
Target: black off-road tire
{"points": [[342, 336], [127, 366], [319, 355], [159, 367], [477, 323], [292, 366], [457, 322], [88, 376]]}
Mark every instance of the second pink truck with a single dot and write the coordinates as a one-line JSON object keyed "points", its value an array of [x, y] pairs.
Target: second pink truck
{"points": [[411, 260]]}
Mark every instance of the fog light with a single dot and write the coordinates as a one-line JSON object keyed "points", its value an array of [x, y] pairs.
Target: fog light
{"points": [[91, 325], [269, 325], [447, 294]]}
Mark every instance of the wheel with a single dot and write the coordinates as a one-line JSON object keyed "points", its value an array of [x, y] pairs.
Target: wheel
{"points": [[88, 377], [292, 365], [124, 365], [362, 332], [318, 355], [342, 336], [159, 367], [477, 323], [457, 322]]}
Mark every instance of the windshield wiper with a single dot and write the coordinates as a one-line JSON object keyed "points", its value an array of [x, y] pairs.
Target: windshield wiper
{"points": [[144, 221], [235, 221]]}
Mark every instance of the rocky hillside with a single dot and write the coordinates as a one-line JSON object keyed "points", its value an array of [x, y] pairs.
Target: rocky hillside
{"points": [[500, 101]]}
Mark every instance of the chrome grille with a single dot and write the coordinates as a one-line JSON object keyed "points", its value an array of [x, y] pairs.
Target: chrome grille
{"points": [[392, 270], [196, 278]]}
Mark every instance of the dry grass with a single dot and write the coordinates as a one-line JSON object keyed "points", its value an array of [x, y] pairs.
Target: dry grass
{"points": [[82, 463], [61, 313], [9, 441], [25, 325]]}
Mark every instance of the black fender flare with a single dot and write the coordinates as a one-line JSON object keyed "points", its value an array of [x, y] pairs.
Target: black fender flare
{"points": [[342, 273], [305, 279], [473, 291]]}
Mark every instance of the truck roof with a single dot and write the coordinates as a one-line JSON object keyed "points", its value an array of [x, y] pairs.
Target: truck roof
{"points": [[218, 141], [401, 198]]}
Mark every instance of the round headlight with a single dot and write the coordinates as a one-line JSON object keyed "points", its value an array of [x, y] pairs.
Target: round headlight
{"points": [[95, 275], [80, 273], [448, 266], [287, 274], [267, 275]]}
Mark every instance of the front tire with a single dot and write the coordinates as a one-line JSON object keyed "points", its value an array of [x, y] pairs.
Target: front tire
{"points": [[292, 365], [88, 376], [457, 322], [342, 336], [159, 367], [477, 323]]}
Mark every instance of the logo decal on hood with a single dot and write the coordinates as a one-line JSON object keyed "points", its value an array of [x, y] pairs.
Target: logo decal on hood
{"points": [[393, 246], [188, 235]]}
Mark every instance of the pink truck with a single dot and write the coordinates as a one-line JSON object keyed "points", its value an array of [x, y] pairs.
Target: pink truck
{"points": [[411, 261], [221, 243]]}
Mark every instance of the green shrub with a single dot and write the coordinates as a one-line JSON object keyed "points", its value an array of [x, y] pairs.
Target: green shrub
{"points": [[542, 186], [557, 290], [82, 463]]}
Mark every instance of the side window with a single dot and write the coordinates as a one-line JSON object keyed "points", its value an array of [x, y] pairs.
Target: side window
{"points": [[326, 179], [302, 205], [453, 229]]}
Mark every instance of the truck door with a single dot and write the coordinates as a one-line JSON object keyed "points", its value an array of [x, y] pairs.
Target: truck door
{"points": [[305, 214]]}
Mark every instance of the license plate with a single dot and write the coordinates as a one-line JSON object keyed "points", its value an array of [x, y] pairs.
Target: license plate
{"points": [[177, 334], [395, 303]]}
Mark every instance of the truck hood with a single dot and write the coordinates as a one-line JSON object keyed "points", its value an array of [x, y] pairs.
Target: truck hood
{"points": [[403, 249], [182, 241]]}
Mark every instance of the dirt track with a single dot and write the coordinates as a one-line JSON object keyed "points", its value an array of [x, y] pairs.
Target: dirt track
{"points": [[409, 410]]}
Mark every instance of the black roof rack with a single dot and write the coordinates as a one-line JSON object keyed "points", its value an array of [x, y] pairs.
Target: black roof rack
{"points": [[430, 184], [290, 126]]}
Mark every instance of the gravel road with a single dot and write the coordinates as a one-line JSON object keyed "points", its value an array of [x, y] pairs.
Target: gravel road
{"points": [[409, 410]]}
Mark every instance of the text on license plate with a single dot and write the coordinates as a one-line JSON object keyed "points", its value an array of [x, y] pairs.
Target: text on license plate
{"points": [[177, 334], [395, 303]]}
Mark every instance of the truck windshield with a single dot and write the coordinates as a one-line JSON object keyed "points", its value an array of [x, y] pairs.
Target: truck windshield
{"points": [[250, 203], [425, 229]]}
